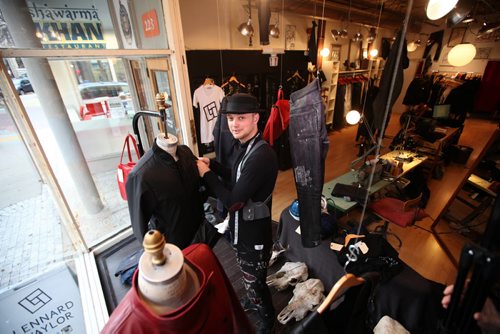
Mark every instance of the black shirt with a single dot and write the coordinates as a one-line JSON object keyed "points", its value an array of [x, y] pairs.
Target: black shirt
{"points": [[166, 193], [256, 182]]}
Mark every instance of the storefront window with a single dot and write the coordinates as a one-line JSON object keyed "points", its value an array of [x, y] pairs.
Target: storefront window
{"points": [[33, 238], [99, 24]]}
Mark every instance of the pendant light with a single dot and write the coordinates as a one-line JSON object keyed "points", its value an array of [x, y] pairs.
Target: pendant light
{"points": [[461, 54], [246, 28], [274, 30], [436, 9], [325, 52]]}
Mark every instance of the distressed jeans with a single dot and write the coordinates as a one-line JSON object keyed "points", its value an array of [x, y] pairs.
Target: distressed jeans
{"points": [[309, 146], [253, 264]]}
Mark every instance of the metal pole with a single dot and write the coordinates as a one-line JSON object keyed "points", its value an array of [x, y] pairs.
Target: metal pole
{"points": [[16, 15]]}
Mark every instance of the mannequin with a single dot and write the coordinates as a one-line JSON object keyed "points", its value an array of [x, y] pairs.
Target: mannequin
{"points": [[176, 291], [165, 281], [168, 144]]}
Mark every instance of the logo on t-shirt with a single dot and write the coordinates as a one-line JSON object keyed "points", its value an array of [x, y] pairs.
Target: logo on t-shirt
{"points": [[210, 111]]}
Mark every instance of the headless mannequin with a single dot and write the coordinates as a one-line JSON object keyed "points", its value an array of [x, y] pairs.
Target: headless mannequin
{"points": [[168, 144], [165, 281]]}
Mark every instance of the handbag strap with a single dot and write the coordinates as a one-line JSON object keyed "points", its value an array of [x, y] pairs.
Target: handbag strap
{"points": [[280, 94], [126, 144]]}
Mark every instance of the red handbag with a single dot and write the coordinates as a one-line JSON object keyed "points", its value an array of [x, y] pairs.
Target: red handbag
{"points": [[125, 168], [278, 119]]}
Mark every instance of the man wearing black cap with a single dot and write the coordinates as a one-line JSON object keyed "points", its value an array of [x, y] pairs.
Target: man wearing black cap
{"points": [[248, 200]]}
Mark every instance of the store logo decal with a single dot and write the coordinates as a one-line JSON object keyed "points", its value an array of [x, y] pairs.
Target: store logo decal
{"points": [[35, 301]]}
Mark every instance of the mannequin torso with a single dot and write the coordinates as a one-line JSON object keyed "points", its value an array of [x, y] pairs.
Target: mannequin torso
{"points": [[165, 282]]}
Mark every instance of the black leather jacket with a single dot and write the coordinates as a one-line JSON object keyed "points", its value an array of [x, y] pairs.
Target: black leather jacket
{"points": [[166, 194]]}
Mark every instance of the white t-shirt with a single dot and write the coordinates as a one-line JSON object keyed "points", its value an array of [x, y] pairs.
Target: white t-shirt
{"points": [[208, 99]]}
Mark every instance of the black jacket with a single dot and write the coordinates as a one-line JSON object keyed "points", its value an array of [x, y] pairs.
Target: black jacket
{"points": [[166, 193], [256, 182]]}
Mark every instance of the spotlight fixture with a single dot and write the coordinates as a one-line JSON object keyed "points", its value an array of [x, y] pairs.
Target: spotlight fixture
{"points": [[344, 34], [357, 37], [413, 45], [335, 33], [274, 31], [461, 54], [488, 28], [246, 28], [436, 9], [469, 19], [372, 34]]}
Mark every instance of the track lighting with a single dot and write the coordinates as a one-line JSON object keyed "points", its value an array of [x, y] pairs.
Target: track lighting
{"points": [[357, 37], [274, 31]]}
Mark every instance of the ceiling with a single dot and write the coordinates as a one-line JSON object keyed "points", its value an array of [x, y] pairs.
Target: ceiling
{"points": [[367, 12]]}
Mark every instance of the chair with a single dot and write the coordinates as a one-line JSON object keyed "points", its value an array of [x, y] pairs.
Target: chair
{"points": [[396, 211]]}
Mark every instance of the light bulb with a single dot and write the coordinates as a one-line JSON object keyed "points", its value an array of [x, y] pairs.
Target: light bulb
{"points": [[461, 54], [325, 52], [373, 53], [353, 117], [412, 46]]}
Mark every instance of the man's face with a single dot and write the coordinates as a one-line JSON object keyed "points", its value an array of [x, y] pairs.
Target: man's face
{"points": [[243, 126]]}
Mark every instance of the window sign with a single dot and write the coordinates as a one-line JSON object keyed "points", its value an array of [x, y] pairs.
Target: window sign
{"points": [[150, 24], [66, 27], [49, 303]]}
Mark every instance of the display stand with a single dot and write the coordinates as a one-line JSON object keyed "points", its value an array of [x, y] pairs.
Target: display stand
{"points": [[332, 93]]}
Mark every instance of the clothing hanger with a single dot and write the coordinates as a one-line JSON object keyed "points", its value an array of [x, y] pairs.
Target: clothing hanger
{"points": [[208, 81], [345, 282], [234, 80], [296, 75]]}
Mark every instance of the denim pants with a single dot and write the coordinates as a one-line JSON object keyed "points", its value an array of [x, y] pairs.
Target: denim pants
{"points": [[309, 146]]}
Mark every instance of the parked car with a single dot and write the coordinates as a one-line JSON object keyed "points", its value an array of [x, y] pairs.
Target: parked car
{"points": [[105, 99], [23, 86]]}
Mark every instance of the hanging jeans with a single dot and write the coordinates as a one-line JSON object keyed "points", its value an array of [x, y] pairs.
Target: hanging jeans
{"points": [[309, 146]]}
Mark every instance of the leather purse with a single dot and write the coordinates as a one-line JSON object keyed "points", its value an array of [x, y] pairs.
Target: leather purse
{"points": [[124, 169]]}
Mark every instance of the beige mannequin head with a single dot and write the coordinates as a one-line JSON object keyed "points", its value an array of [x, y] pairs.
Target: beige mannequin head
{"points": [[165, 281], [169, 144]]}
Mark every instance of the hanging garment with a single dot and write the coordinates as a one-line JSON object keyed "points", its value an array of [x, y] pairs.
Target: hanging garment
{"points": [[348, 99], [488, 99], [434, 38], [208, 98], [418, 92], [311, 44], [215, 308], [381, 100], [338, 114], [278, 120], [309, 146], [164, 194]]}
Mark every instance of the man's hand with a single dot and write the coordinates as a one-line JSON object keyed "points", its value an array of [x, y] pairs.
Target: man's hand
{"points": [[202, 166], [205, 160]]}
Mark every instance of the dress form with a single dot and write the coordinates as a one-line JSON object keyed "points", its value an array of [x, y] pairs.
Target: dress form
{"points": [[168, 144], [165, 281]]}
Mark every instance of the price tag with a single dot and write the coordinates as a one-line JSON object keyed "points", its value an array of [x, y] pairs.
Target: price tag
{"points": [[362, 247], [336, 247]]}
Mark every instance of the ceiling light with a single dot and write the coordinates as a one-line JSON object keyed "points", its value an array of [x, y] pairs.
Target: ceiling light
{"points": [[461, 54], [460, 12], [335, 34], [344, 34], [325, 52], [274, 31], [373, 53], [413, 45], [353, 117], [436, 9], [468, 19], [357, 37], [246, 28]]}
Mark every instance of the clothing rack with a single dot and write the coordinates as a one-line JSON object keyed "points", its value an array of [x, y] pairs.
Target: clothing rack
{"points": [[353, 72]]}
